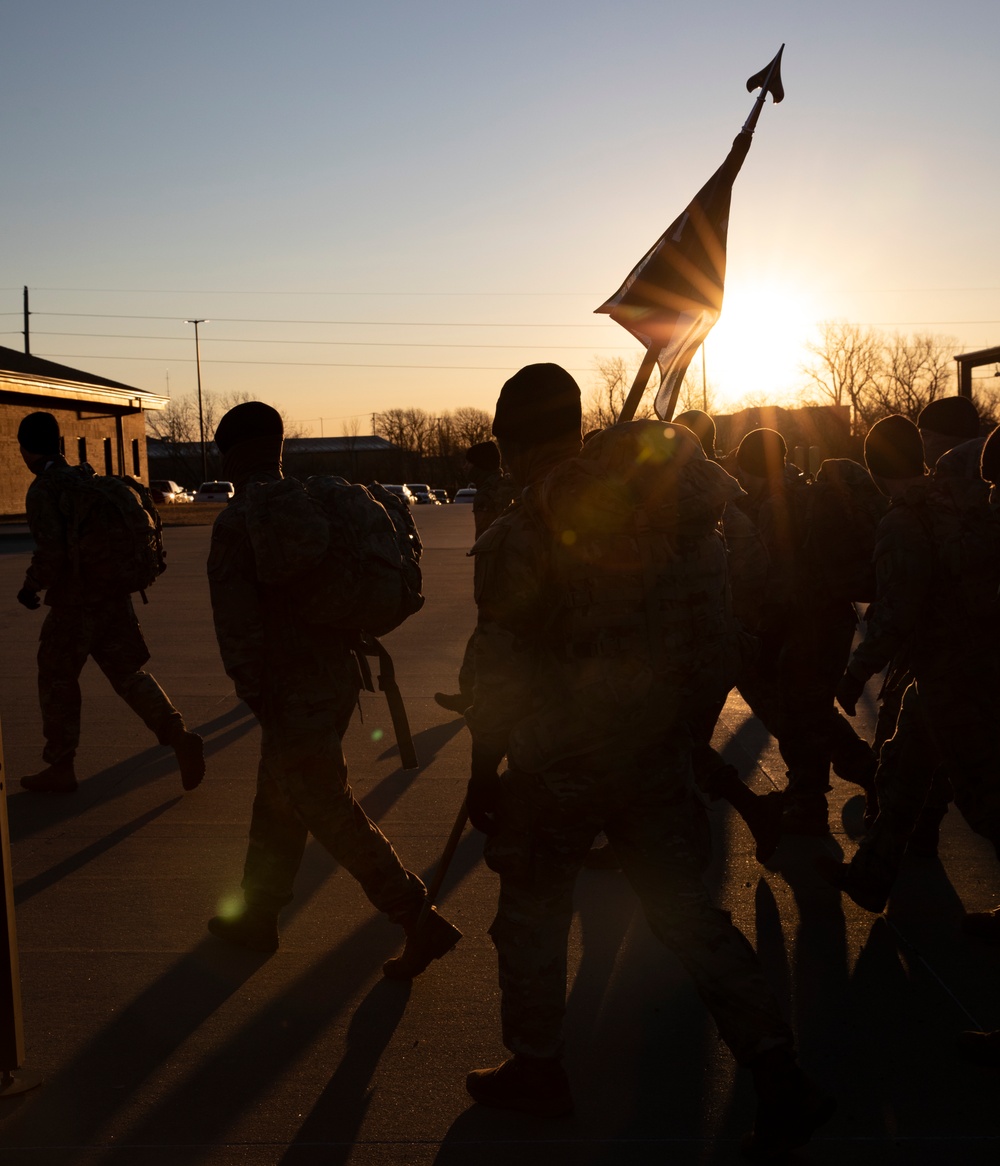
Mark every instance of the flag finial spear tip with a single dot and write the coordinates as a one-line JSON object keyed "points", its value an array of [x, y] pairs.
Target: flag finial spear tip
{"points": [[768, 80]]}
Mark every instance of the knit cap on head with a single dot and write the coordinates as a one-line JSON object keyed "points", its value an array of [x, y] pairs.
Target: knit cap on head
{"points": [[39, 433], [484, 455], [702, 426], [537, 404], [762, 453], [244, 422], [893, 448], [990, 465], [951, 417]]}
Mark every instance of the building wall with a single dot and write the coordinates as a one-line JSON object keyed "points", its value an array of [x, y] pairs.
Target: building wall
{"points": [[111, 440]]}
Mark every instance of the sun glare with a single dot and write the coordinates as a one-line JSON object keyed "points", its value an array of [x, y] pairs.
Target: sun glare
{"points": [[757, 348]]}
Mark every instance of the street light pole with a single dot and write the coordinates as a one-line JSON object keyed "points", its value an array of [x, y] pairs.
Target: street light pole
{"points": [[201, 411]]}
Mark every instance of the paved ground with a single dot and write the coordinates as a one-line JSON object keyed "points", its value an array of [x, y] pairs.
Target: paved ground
{"points": [[159, 1045]]}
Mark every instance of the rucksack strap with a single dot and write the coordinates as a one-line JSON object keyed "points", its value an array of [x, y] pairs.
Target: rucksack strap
{"points": [[370, 646]]}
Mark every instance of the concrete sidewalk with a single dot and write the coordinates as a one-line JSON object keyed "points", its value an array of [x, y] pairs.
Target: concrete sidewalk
{"points": [[159, 1045]]}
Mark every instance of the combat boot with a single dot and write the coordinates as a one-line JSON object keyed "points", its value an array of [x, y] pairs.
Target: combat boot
{"points": [[866, 892], [189, 749], [789, 1108], [533, 1085], [254, 928], [982, 1048], [456, 703], [981, 925], [428, 937], [58, 778]]}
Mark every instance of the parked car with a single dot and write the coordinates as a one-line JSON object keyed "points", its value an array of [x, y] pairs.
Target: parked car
{"points": [[423, 494], [441, 495], [466, 494], [165, 491], [214, 492], [403, 491]]}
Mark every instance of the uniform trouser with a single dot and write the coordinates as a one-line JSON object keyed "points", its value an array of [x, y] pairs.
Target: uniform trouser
{"points": [[795, 698], [467, 672], [302, 789], [110, 633], [546, 824], [947, 742]]}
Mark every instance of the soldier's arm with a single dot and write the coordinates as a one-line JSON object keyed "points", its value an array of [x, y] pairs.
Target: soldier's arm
{"points": [[50, 561], [511, 612], [236, 607], [903, 570]]}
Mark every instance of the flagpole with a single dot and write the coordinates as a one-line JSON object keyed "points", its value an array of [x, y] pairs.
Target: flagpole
{"points": [[638, 385], [751, 122]]}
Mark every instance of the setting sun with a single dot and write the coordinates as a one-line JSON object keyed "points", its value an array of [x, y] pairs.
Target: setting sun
{"points": [[758, 346]]}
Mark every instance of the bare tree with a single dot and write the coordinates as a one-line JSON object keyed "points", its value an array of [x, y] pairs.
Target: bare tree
{"points": [[846, 364], [471, 426], [613, 377]]}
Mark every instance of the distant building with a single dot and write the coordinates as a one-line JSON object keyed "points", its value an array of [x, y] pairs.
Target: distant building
{"points": [[101, 421], [823, 429], [358, 459]]}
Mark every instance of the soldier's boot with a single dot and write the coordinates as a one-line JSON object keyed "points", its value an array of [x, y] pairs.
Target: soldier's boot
{"points": [[533, 1085], [866, 891], [428, 938], [805, 811], [189, 749], [58, 778], [982, 1048], [454, 703], [983, 925], [790, 1108], [254, 928], [761, 812], [926, 834], [602, 858]]}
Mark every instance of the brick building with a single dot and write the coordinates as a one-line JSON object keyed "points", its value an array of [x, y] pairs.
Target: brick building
{"points": [[101, 421]]}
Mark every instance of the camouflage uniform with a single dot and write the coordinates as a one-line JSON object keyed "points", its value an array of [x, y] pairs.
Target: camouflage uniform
{"points": [[569, 776], [492, 498], [82, 622], [303, 684], [947, 738]]}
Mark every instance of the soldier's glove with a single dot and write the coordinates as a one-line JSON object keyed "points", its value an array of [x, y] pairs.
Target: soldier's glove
{"points": [[28, 597], [849, 692], [483, 793]]}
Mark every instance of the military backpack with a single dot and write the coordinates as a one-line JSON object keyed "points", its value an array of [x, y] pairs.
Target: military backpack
{"points": [[113, 530], [642, 631], [348, 556], [835, 520]]}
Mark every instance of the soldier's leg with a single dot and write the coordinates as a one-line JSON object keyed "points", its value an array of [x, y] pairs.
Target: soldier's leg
{"points": [[302, 746], [537, 851], [63, 647], [811, 664], [660, 832], [119, 649], [904, 779]]}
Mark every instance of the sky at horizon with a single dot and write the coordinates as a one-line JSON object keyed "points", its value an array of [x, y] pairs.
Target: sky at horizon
{"points": [[400, 205]]}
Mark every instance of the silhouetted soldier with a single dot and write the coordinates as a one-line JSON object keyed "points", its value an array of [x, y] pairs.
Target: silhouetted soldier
{"points": [[584, 671], [494, 493], [805, 642], [301, 680], [85, 618], [935, 615]]}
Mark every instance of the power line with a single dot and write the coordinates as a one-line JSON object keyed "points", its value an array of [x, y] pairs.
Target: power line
{"points": [[291, 363], [350, 323], [341, 343]]}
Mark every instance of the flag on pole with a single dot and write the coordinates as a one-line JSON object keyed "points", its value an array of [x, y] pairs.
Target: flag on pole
{"points": [[673, 296]]}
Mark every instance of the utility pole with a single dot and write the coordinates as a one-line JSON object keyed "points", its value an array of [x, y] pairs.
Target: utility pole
{"points": [[201, 411], [27, 333]]}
